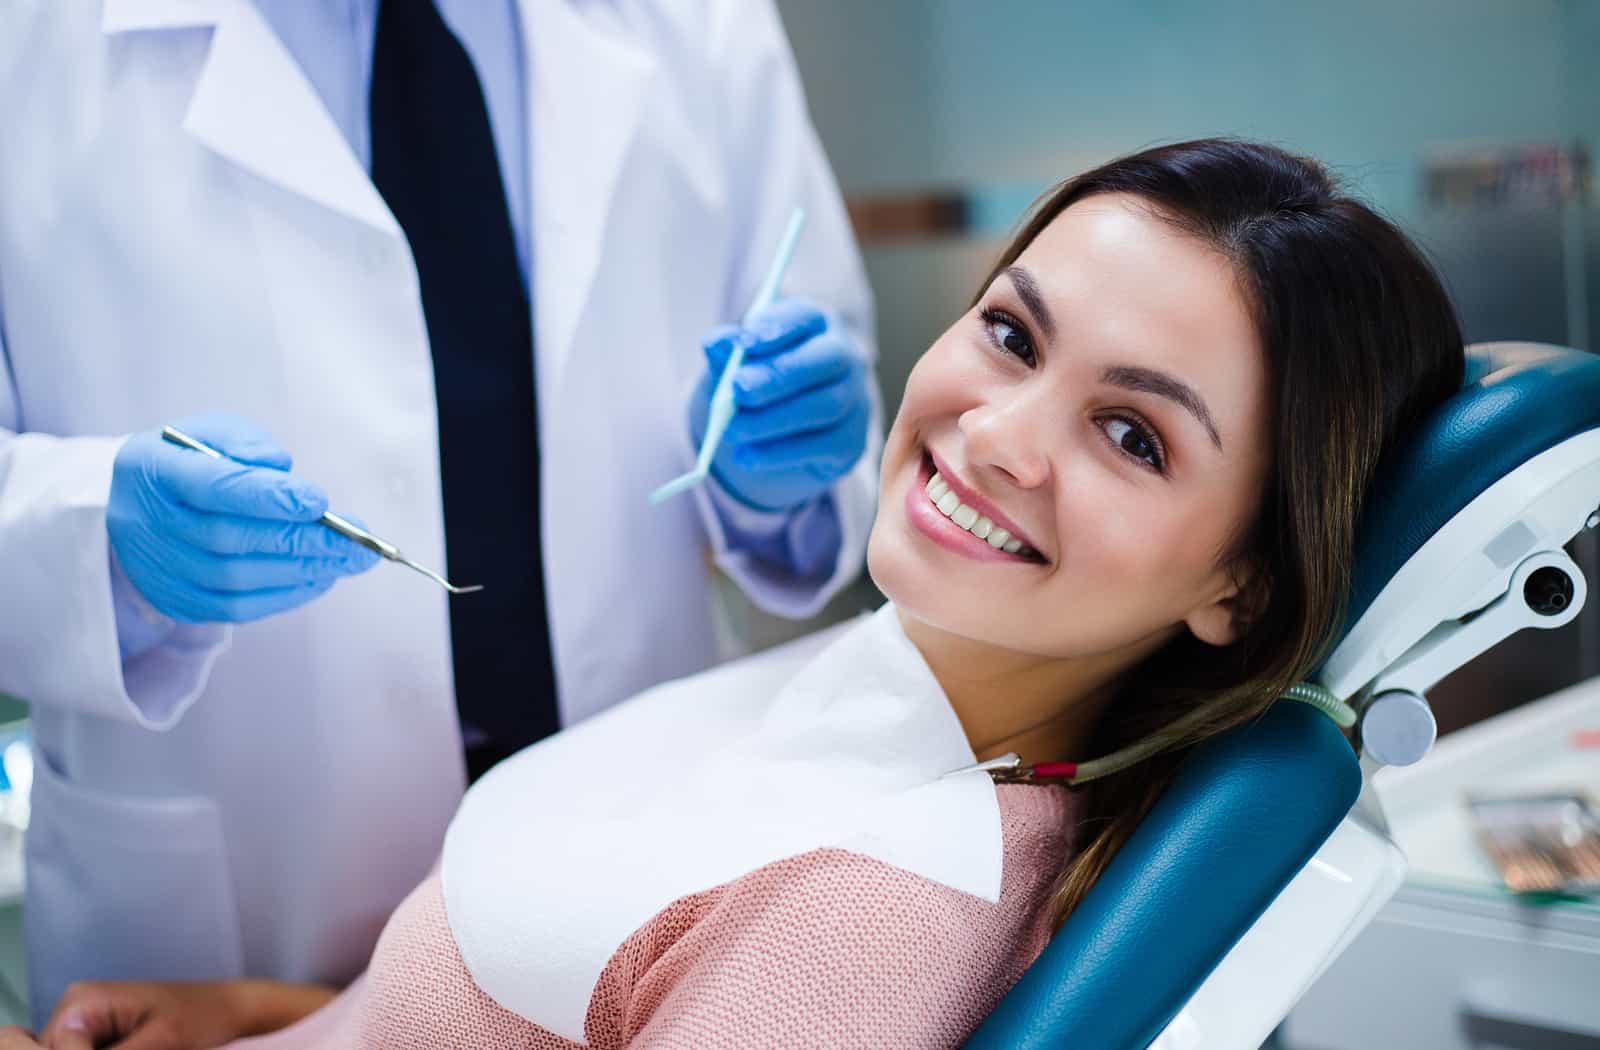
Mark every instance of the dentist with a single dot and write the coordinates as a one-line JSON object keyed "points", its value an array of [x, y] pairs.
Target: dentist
{"points": [[466, 261]]}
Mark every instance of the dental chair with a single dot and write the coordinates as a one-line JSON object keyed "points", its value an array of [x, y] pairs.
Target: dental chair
{"points": [[1269, 852]]}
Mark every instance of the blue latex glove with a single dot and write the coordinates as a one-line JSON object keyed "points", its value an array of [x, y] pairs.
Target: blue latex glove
{"points": [[211, 540], [803, 407]]}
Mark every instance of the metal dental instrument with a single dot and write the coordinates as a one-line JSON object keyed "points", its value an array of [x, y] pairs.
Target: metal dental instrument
{"points": [[334, 522], [722, 406]]}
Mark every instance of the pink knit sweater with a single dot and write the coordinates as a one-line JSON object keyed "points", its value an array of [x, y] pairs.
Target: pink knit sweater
{"points": [[826, 949]]}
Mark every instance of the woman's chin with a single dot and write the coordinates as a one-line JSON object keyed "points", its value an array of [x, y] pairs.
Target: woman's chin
{"points": [[954, 595], [880, 568], [907, 580]]}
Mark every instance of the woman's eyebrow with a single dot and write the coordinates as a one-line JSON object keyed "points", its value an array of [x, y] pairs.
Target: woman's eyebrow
{"points": [[1129, 377], [1028, 292], [1162, 384]]}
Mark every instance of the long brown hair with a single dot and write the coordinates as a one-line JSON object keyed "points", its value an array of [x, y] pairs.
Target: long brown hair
{"points": [[1361, 340]]}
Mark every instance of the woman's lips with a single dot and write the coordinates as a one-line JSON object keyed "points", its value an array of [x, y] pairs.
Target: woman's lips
{"points": [[930, 461], [926, 519]]}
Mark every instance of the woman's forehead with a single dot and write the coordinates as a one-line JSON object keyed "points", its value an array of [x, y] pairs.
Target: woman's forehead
{"points": [[1114, 253]]}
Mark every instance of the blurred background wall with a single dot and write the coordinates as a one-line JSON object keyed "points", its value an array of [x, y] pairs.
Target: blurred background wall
{"points": [[1461, 119]]}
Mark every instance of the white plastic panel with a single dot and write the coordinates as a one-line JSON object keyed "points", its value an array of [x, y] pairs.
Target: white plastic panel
{"points": [[1468, 563], [1321, 910]]}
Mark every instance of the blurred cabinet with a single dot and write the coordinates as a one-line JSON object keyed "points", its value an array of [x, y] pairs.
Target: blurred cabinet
{"points": [[1455, 961]]}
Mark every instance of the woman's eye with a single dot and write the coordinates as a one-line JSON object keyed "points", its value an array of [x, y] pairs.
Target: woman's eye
{"points": [[1135, 440], [1008, 335]]}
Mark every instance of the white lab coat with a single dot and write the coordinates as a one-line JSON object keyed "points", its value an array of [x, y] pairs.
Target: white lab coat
{"points": [[183, 229]]}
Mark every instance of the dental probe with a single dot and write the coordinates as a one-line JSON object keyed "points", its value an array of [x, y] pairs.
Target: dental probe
{"points": [[334, 522], [722, 406]]}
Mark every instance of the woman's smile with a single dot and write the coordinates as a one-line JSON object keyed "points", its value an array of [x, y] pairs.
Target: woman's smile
{"points": [[948, 512]]}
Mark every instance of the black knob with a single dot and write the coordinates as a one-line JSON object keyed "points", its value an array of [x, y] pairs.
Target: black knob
{"points": [[1548, 591]]}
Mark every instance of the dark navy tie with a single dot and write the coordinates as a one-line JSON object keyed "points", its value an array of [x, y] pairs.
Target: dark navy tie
{"points": [[434, 162]]}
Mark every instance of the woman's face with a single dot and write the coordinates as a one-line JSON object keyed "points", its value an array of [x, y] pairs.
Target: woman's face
{"points": [[1105, 405]]}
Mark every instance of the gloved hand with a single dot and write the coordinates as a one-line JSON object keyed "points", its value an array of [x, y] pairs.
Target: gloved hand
{"points": [[803, 407], [207, 540]]}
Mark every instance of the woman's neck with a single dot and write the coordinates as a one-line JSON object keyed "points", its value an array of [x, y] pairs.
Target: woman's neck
{"points": [[1043, 708]]}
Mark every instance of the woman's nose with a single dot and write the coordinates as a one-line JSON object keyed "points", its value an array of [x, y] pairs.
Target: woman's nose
{"points": [[1011, 437]]}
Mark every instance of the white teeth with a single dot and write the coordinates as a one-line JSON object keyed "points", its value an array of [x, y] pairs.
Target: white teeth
{"points": [[968, 518]]}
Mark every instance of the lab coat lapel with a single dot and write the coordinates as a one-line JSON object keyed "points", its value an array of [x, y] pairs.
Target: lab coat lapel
{"points": [[254, 106], [585, 92], [124, 16]]}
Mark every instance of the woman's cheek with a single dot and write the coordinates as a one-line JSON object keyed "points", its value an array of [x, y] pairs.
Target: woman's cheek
{"points": [[1102, 512], [1128, 546]]}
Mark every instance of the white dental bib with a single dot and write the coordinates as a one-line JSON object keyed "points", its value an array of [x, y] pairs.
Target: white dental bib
{"points": [[560, 853]]}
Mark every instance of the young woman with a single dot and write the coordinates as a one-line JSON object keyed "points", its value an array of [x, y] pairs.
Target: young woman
{"points": [[1117, 510]]}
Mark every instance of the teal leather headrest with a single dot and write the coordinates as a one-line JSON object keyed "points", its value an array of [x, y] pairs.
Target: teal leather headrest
{"points": [[1518, 400]]}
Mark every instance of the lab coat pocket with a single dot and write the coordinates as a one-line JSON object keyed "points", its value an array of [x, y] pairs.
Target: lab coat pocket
{"points": [[122, 888]]}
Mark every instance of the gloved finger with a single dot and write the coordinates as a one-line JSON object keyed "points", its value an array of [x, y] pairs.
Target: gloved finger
{"points": [[830, 452], [237, 438], [235, 574], [822, 408], [719, 343], [361, 558], [224, 487], [785, 323], [777, 328], [219, 607], [231, 534], [813, 363]]}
